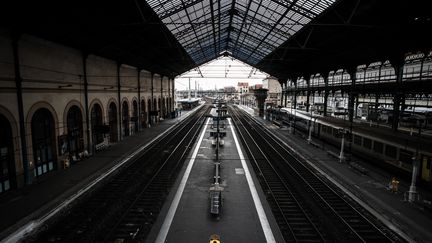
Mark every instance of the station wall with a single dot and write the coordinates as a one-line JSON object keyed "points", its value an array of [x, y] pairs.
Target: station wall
{"points": [[54, 114]]}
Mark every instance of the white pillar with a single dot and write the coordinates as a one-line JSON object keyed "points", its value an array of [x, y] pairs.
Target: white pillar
{"points": [[310, 131], [341, 155], [189, 91], [413, 190]]}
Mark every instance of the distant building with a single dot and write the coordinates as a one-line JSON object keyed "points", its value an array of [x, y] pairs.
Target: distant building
{"points": [[229, 89], [242, 87], [274, 93], [255, 86]]}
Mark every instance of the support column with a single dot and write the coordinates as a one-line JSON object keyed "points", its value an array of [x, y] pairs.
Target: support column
{"points": [[173, 94], [86, 101], [119, 102], [18, 81], [351, 95], [162, 114], [286, 93], [152, 100], [326, 93], [398, 64], [169, 98], [139, 100], [261, 95], [307, 78], [396, 111]]}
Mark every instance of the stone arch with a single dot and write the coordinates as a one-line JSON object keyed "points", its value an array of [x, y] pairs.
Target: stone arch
{"points": [[125, 117], [43, 137], [36, 106], [10, 147], [135, 114], [75, 130], [112, 119], [143, 114], [66, 109], [99, 102], [96, 122]]}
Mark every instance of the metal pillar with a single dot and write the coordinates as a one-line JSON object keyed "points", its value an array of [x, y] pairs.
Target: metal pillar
{"points": [[326, 94], [398, 64], [307, 78], [341, 155], [139, 100], [152, 100], [119, 102], [86, 101], [261, 95], [412, 193], [169, 98], [18, 81], [161, 109]]}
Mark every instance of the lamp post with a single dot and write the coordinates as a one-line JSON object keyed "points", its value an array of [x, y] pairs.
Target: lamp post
{"points": [[341, 155], [310, 127]]}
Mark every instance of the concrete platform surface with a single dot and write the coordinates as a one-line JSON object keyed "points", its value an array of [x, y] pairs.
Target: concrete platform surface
{"points": [[239, 220]]}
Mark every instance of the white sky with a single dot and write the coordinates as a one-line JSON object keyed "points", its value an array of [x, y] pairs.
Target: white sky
{"points": [[221, 72]]}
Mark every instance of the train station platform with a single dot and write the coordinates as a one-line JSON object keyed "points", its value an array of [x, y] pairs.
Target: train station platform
{"points": [[186, 217], [21, 206], [410, 219]]}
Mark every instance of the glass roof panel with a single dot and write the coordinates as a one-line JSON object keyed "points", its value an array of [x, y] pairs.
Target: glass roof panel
{"points": [[249, 29]]}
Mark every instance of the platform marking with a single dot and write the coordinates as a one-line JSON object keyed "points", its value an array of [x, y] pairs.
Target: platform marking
{"points": [[239, 171], [268, 233], [163, 232], [34, 224]]}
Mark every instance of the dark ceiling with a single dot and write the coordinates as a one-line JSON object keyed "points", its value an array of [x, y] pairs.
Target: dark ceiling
{"points": [[348, 33]]}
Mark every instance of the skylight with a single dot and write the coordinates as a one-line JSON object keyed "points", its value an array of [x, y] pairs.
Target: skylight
{"points": [[249, 29]]}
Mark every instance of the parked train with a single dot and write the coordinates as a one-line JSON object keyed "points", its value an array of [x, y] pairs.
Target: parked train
{"points": [[384, 152]]}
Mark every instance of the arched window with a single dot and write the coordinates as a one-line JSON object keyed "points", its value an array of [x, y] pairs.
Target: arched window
{"points": [[7, 161], [43, 137], [135, 115], [75, 132], [149, 109], [125, 119], [143, 114], [96, 121], [112, 117]]}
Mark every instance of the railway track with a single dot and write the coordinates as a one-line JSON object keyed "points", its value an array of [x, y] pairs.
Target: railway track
{"points": [[306, 207], [125, 206]]}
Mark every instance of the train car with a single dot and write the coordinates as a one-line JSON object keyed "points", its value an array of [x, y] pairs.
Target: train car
{"points": [[384, 152]]}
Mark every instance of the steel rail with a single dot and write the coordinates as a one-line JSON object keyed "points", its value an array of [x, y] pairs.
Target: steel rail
{"points": [[355, 221], [285, 200], [89, 217], [164, 172]]}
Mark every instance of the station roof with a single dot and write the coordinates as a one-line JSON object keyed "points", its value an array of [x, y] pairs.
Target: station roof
{"points": [[248, 30], [283, 38]]}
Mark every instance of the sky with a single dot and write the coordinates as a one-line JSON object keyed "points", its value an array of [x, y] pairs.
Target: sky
{"points": [[219, 73]]}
